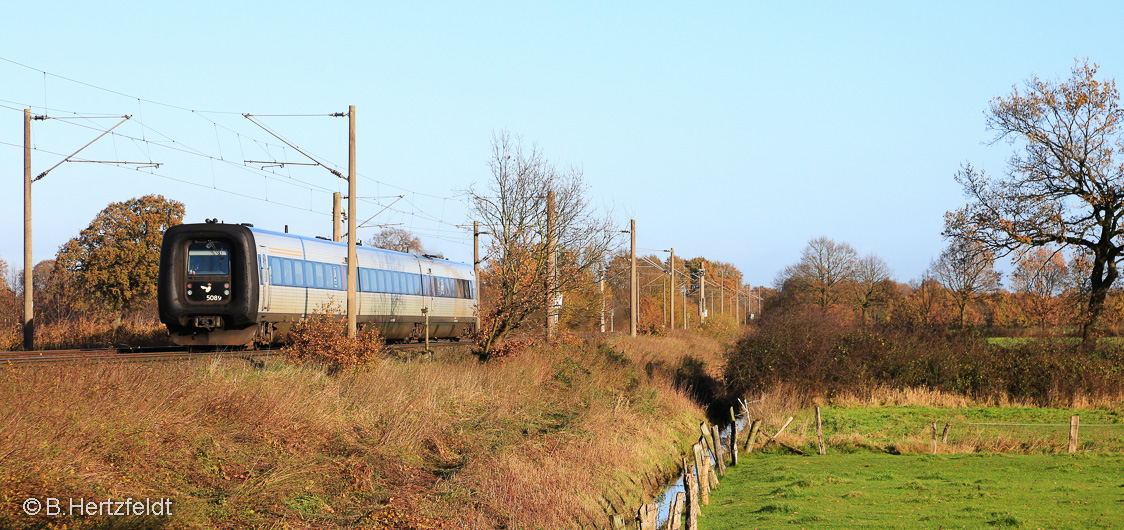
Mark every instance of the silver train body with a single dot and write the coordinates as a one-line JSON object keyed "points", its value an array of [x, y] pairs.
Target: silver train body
{"points": [[234, 285]]}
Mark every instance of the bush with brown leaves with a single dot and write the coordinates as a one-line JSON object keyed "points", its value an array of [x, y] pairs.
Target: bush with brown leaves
{"points": [[322, 339]]}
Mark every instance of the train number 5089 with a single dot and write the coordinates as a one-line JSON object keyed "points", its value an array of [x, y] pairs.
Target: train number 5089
{"points": [[214, 298]]}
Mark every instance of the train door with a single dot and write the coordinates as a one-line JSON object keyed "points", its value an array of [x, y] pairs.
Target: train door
{"points": [[266, 281]]}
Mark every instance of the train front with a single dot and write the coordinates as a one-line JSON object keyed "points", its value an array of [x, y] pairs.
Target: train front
{"points": [[208, 285]]}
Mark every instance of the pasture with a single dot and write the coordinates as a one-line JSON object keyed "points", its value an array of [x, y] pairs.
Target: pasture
{"points": [[1001, 466], [868, 490]]}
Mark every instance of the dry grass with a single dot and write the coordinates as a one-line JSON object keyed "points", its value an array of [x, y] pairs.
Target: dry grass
{"points": [[558, 438], [90, 332]]}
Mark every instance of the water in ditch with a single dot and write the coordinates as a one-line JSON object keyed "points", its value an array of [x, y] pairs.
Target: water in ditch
{"points": [[668, 492]]}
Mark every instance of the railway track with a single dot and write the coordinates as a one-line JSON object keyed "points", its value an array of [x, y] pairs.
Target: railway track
{"points": [[165, 353]]}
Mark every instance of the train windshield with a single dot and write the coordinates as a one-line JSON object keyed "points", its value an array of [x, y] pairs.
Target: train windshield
{"points": [[208, 258]]}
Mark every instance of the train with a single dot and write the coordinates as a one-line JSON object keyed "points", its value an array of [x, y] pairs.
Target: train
{"points": [[233, 285]]}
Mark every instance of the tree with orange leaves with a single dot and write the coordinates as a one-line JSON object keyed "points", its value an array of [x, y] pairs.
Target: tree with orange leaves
{"points": [[1063, 186]]}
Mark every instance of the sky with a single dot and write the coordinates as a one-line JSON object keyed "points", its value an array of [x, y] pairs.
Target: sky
{"points": [[737, 131]]}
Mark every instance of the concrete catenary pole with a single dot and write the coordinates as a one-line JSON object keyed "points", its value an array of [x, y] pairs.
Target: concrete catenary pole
{"points": [[702, 293], [722, 290], [352, 258], [601, 285], [28, 304], [337, 216], [634, 295], [476, 269], [551, 270], [671, 266]]}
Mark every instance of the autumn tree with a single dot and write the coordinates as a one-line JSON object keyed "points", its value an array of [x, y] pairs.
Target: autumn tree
{"points": [[824, 266], [967, 270], [396, 239], [1064, 184], [512, 209], [1039, 278], [870, 286], [117, 257]]}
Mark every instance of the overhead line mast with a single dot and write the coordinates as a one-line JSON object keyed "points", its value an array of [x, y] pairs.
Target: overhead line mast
{"points": [[28, 262]]}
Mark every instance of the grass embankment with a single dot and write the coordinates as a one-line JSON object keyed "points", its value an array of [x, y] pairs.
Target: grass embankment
{"points": [[887, 491], [556, 438]]}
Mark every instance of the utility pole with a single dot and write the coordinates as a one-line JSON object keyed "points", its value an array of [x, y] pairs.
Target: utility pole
{"points": [[601, 282], [722, 290], [352, 256], [476, 268], [634, 298], [337, 217], [551, 270], [702, 293], [28, 304], [738, 305], [671, 266], [28, 265]]}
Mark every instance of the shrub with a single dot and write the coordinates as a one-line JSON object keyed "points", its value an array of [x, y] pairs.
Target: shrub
{"points": [[821, 357], [322, 339]]}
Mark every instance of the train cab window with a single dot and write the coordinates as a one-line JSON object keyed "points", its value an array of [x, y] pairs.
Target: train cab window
{"points": [[208, 258]]}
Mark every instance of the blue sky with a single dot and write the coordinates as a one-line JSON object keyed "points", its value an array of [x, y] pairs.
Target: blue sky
{"points": [[737, 131]]}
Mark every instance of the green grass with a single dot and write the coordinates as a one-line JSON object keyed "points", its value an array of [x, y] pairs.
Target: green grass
{"points": [[903, 429], [869, 490]]}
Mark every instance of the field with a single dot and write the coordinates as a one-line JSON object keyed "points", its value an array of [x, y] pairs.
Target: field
{"points": [[866, 490], [1002, 466]]}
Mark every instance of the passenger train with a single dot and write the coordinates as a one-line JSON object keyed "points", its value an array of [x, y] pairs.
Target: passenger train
{"points": [[235, 285]]}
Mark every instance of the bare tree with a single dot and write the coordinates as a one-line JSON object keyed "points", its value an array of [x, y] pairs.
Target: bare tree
{"points": [[512, 209], [1039, 277], [823, 265], [870, 275], [1063, 187], [398, 240], [967, 270]]}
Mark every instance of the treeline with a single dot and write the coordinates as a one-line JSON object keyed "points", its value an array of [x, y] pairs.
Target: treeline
{"points": [[1047, 293]]}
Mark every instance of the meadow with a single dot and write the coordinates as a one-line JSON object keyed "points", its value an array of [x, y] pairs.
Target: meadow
{"points": [[1003, 465], [867, 490]]}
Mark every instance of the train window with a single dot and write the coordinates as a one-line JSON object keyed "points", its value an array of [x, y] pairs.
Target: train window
{"points": [[298, 273], [208, 258], [415, 284], [318, 272], [287, 271]]}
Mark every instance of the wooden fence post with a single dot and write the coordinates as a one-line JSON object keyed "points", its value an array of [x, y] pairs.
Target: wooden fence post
{"points": [[648, 516], [709, 442], [756, 426], [734, 445], [693, 510], [933, 427], [718, 459], [819, 431], [944, 435], [704, 483], [675, 516], [1074, 422]]}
